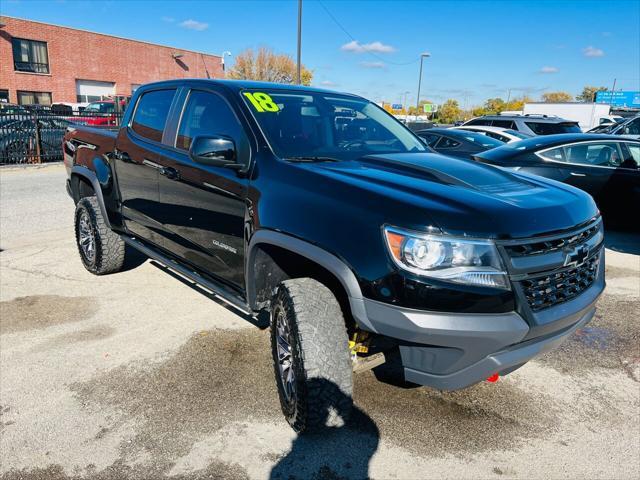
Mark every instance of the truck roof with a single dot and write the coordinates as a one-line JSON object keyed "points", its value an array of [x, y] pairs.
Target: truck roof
{"points": [[238, 85]]}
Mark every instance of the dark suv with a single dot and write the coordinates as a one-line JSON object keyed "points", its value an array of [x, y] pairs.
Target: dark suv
{"points": [[529, 124]]}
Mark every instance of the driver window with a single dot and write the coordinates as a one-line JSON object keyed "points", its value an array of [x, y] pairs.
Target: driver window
{"points": [[633, 160], [207, 114], [605, 154]]}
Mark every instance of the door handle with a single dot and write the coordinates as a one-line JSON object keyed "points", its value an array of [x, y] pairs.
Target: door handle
{"points": [[573, 174], [170, 172]]}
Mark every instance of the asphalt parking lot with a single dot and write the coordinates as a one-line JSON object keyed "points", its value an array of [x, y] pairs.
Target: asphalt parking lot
{"points": [[138, 375]]}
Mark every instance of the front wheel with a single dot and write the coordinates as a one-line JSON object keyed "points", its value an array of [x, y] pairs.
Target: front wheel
{"points": [[101, 249], [311, 358]]}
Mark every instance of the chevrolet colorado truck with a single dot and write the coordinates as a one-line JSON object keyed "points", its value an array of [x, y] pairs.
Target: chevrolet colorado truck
{"points": [[322, 210]]}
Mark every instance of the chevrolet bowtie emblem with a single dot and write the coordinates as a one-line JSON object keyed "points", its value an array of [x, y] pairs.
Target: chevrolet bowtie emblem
{"points": [[577, 256]]}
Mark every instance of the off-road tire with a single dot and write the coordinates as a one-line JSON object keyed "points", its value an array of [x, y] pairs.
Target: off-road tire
{"points": [[320, 356], [109, 247]]}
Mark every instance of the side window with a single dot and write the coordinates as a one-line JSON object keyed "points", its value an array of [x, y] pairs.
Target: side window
{"points": [[430, 138], [633, 159], [503, 123], [207, 113], [600, 154], [446, 142], [151, 114], [555, 154]]}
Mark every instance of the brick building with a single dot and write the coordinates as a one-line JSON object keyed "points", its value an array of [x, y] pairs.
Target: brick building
{"points": [[43, 63]]}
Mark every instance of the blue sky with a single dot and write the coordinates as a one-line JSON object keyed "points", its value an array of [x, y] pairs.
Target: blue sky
{"points": [[479, 49]]}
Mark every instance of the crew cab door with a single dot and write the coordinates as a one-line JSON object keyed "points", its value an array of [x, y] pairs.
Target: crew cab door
{"points": [[137, 148], [203, 206]]}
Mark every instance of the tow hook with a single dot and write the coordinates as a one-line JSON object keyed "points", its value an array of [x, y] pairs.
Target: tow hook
{"points": [[359, 343], [493, 378]]}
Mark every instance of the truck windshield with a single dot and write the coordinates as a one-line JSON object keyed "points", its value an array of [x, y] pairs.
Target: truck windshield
{"points": [[327, 125]]}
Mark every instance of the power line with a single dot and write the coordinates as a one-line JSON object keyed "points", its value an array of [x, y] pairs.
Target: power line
{"points": [[335, 20]]}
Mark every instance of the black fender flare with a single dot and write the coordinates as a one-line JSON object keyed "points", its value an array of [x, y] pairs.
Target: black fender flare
{"points": [[92, 178], [327, 260]]}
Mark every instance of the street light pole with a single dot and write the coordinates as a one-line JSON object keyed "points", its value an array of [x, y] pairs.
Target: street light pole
{"points": [[422, 57], [298, 76]]}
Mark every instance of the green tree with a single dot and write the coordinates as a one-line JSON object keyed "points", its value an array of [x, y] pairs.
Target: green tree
{"points": [[267, 66], [420, 110], [589, 93], [449, 111], [517, 103], [494, 105], [555, 97]]}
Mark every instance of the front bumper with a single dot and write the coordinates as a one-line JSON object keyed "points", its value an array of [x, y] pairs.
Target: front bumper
{"points": [[450, 351]]}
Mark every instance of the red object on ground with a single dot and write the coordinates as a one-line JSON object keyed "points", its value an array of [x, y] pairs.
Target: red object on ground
{"points": [[493, 378]]}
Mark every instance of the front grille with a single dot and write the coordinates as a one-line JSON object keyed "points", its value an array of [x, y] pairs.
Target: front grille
{"points": [[553, 288], [547, 246]]}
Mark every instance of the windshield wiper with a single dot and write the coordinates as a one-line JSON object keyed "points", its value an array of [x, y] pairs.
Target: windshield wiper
{"points": [[311, 159]]}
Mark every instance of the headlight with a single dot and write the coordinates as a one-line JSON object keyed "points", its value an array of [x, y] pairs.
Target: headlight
{"points": [[457, 260]]}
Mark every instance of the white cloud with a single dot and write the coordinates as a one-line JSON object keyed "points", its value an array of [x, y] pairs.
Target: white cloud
{"points": [[328, 83], [194, 25], [373, 65], [168, 19], [547, 69], [376, 47], [593, 52]]}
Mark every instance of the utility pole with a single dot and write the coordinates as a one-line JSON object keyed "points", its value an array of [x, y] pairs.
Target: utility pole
{"points": [[299, 78], [422, 57]]}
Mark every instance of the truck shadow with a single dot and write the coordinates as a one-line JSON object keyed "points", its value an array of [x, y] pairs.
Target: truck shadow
{"points": [[331, 452]]}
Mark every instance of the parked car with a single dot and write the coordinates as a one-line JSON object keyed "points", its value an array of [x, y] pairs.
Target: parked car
{"points": [[529, 124], [457, 143], [586, 114], [349, 235], [629, 127], [605, 166], [18, 137], [100, 113], [505, 135], [12, 109]]}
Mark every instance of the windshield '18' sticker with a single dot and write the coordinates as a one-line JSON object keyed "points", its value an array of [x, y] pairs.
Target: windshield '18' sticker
{"points": [[261, 102]]}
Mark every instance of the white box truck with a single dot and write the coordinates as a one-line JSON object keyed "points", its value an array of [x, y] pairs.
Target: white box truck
{"points": [[588, 115]]}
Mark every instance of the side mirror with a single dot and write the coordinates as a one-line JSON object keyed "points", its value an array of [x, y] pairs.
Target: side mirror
{"points": [[218, 151]]}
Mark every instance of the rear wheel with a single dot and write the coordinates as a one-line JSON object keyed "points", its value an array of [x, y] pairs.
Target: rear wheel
{"points": [[311, 355], [101, 249]]}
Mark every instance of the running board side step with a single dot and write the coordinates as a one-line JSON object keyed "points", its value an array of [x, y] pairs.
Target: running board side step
{"points": [[214, 287]]}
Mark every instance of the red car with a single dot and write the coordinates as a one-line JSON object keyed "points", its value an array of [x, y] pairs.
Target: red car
{"points": [[100, 113]]}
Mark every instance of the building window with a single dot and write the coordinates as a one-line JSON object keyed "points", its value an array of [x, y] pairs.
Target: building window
{"points": [[4, 96], [34, 98], [30, 56]]}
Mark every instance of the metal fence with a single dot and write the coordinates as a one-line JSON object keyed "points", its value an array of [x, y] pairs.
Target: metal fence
{"points": [[34, 135]]}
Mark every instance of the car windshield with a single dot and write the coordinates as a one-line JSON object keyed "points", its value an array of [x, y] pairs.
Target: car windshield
{"points": [[100, 107], [515, 133], [316, 125]]}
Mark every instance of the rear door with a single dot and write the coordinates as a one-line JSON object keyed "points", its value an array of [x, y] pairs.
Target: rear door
{"points": [[136, 159], [203, 206], [587, 166], [624, 194]]}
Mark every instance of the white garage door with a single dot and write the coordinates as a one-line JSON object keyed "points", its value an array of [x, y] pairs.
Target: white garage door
{"points": [[92, 91]]}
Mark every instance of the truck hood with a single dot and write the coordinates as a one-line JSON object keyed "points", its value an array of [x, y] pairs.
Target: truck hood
{"points": [[461, 196]]}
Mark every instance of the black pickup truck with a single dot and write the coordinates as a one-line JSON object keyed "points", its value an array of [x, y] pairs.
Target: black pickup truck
{"points": [[322, 210]]}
